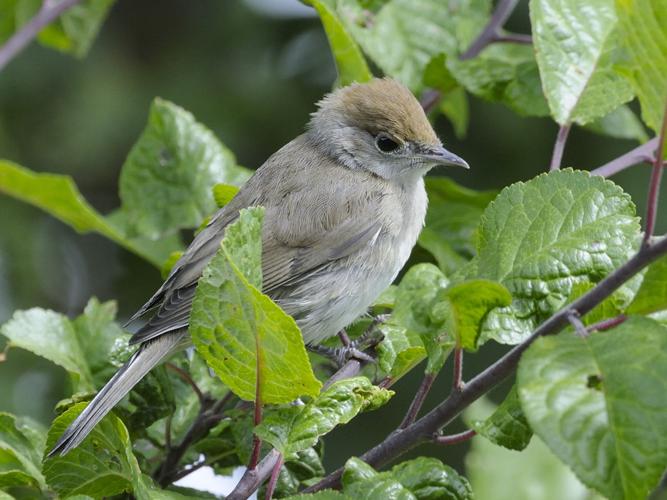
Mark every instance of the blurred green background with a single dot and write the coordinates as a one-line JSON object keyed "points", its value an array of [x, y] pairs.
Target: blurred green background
{"points": [[251, 71]]}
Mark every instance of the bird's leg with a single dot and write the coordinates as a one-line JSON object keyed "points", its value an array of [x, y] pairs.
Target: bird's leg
{"points": [[352, 349]]}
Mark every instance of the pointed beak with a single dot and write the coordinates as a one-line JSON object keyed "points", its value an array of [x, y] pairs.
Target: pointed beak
{"points": [[440, 156]]}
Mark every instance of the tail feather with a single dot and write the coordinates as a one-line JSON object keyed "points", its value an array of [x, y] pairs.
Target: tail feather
{"points": [[143, 361]]}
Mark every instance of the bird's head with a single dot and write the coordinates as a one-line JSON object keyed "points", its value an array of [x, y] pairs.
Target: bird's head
{"points": [[379, 126]]}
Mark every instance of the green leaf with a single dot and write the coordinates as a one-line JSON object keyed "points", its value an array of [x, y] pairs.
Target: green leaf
{"points": [[244, 336], [505, 73], [321, 495], [500, 474], [404, 35], [576, 47], [454, 105], [104, 462], [464, 306], [599, 403], [543, 237], [166, 181], [59, 196], [507, 426], [52, 336], [223, 194], [410, 327], [296, 428], [451, 221], [621, 123], [642, 36], [429, 478], [652, 294], [350, 62], [21, 448], [75, 30], [421, 478]]}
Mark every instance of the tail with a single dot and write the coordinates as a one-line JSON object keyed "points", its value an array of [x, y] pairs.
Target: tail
{"points": [[143, 361]]}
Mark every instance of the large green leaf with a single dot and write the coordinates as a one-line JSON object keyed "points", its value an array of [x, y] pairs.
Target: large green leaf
{"points": [[451, 221], [58, 195], [542, 237], [421, 478], [296, 428], [505, 73], [167, 180], [350, 61], [244, 336], [81, 346], [103, 465], [410, 332], [621, 123], [52, 336], [652, 294], [507, 425], [599, 403], [576, 45], [642, 34], [404, 35], [463, 307], [21, 448]]}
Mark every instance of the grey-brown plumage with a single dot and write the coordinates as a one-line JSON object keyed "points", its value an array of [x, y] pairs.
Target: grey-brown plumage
{"points": [[343, 209]]}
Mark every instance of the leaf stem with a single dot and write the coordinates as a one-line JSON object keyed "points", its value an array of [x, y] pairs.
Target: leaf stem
{"points": [[559, 147], [418, 400], [430, 99], [491, 32], [607, 324], [423, 429], [47, 13], [457, 378], [455, 438], [274, 477], [654, 185], [633, 157]]}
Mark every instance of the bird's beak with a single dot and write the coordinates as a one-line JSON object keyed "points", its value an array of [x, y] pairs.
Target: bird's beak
{"points": [[440, 156]]}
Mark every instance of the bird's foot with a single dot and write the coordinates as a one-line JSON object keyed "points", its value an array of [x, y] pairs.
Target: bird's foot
{"points": [[351, 349]]}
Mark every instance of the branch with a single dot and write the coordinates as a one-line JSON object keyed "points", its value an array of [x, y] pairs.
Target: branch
{"points": [[455, 438], [252, 479], [654, 185], [491, 32], [638, 155], [418, 400], [457, 376], [559, 147], [47, 13], [423, 429]]}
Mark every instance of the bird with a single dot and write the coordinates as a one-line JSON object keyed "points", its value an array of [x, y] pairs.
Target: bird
{"points": [[344, 205]]}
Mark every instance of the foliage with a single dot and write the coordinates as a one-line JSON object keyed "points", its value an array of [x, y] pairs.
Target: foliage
{"points": [[494, 266]]}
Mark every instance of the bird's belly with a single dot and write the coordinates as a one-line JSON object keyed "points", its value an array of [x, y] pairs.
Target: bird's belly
{"points": [[339, 294]]}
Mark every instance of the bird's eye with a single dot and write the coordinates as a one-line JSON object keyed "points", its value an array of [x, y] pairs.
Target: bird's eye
{"points": [[385, 143]]}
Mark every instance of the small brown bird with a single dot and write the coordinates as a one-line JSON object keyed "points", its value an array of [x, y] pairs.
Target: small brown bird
{"points": [[344, 203]]}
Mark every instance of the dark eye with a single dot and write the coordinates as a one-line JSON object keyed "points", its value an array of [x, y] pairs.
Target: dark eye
{"points": [[385, 143]]}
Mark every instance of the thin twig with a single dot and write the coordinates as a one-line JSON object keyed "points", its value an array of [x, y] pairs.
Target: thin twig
{"points": [[430, 99], [559, 147], [418, 400], [185, 376], [491, 32], [514, 38], [271, 487], [607, 324], [47, 13], [252, 479], [454, 438], [654, 185], [457, 378], [575, 320], [423, 429], [640, 154]]}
